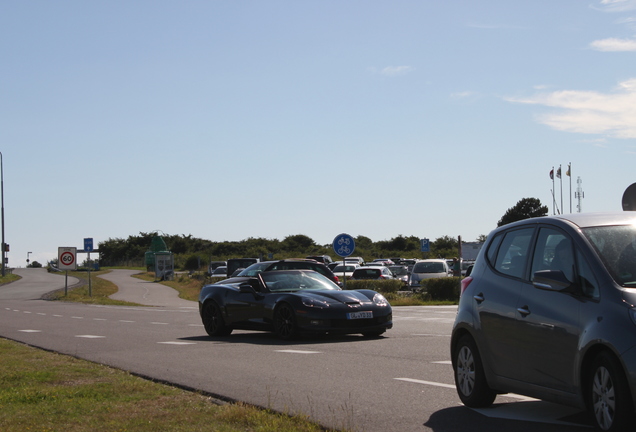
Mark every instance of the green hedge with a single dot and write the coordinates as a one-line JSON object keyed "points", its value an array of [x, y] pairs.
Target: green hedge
{"points": [[446, 288]]}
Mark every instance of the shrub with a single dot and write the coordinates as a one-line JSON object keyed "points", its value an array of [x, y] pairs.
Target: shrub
{"points": [[446, 288]]}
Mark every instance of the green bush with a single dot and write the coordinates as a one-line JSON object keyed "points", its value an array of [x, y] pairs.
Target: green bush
{"points": [[381, 286], [446, 288]]}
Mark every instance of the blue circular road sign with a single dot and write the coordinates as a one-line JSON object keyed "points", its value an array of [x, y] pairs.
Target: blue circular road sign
{"points": [[344, 245]]}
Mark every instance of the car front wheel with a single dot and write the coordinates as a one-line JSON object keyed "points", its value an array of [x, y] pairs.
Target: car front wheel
{"points": [[470, 379], [213, 320], [285, 322], [609, 397]]}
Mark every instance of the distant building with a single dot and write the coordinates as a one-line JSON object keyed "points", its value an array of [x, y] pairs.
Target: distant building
{"points": [[470, 250]]}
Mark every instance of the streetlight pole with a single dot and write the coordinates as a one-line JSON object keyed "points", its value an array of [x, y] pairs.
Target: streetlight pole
{"points": [[2, 214], [28, 253]]}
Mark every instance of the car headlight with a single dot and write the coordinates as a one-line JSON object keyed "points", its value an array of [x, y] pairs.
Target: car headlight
{"points": [[315, 303], [380, 300]]}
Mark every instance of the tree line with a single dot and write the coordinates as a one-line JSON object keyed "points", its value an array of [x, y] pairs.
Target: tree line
{"points": [[188, 250]]}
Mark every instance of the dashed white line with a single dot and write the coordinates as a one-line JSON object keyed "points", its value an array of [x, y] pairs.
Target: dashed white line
{"points": [[177, 343], [159, 323], [298, 352], [90, 336], [31, 331]]}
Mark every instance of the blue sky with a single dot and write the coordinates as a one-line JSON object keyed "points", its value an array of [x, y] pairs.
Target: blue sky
{"points": [[234, 119]]}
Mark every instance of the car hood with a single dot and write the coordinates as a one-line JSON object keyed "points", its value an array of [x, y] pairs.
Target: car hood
{"points": [[346, 297]]}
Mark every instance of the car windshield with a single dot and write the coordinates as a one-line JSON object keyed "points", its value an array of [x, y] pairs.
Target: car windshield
{"points": [[616, 246], [428, 267], [254, 269], [277, 281]]}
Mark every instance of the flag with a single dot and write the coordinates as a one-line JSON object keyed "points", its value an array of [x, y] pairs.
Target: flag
{"points": [[559, 173], [567, 173], [552, 174]]}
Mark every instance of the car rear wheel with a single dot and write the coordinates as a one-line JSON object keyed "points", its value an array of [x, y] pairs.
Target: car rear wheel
{"points": [[213, 320], [470, 379], [609, 397], [285, 322]]}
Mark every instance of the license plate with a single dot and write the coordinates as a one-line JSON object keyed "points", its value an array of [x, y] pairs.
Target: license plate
{"points": [[360, 315]]}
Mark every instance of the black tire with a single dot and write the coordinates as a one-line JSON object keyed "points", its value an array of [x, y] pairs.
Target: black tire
{"points": [[285, 322], [470, 380], [608, 395], [213, 320]]}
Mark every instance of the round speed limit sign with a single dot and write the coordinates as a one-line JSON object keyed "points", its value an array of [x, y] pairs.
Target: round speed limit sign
{"points": [[66, 258]]}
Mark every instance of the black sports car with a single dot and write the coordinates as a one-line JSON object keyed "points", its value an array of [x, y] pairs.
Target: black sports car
{"points": [[289, 303]]}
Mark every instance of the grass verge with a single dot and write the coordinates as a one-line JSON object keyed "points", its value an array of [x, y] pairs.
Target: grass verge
{"points": [[43, 391], [99, 292]]}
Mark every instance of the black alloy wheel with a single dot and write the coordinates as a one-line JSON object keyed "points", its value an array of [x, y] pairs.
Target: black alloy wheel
{"points": [[470, 379], [609, 397], [213, 320], [285, 322]]}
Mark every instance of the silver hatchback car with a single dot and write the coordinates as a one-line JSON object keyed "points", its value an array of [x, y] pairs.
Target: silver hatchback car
{"points": [[549, 311]]}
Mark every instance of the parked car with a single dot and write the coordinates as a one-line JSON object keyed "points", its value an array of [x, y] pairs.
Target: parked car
{"points": [[372, 272], [325, 259], [400, 272], [233, 264], [344, 270], [384, 261], [214, 265], [220, 271], [549, 311], [290, 303], [428, 269], [289, 264], [357, 260]]}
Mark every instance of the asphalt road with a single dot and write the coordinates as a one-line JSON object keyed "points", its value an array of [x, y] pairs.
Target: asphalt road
{"points": [[401, 382]]}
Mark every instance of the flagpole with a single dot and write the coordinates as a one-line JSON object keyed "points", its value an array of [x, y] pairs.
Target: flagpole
{"points": [[569, 173], [561, 183], [553, 197]]}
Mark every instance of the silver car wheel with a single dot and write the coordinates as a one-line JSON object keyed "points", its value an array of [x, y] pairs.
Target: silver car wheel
{"points": [[603, 398], [465, 371]]}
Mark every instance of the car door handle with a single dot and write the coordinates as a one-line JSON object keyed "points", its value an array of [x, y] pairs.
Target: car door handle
{"points": [[479, 297], [524, 311]]}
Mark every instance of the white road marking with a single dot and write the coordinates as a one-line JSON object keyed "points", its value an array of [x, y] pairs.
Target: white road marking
{"points": [[298, 352], [77, 317], [444, 362], [41, 313], [31, 331], [27, 312], [177, 343], [429, 334], [159, 323], [59, 316], [89, 336], [452, 386], [100, 319], [126, 321]]}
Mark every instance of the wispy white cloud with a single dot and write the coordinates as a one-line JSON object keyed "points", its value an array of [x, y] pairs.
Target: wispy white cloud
{"points": [[396, 70], [618, 5], [589, 112], [614, 44], [463, 95]]}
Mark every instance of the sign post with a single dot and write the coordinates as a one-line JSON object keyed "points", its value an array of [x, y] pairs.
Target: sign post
{"points": [[88, 247], [344, 245], [66, 260]]}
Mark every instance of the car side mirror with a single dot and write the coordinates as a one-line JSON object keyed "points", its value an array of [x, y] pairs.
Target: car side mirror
{"points": [[552, 280], [246, 288]]}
